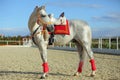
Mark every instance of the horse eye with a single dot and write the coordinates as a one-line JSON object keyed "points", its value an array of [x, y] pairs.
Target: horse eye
{"points": [[43, 15]]}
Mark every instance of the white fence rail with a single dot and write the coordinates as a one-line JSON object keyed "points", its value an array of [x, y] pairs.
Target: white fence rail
{"points": [[10, 42], [108, 45], [109, 42], [13, 42], [102, 45]]}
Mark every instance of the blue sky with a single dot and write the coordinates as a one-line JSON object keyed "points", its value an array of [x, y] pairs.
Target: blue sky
{"points": [[103, 16]]}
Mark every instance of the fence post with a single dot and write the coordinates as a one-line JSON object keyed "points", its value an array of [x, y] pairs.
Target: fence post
{"points": [[7, 42], [117, 43], [70, 45], [109, 43], [101, 43], [19, 43]]}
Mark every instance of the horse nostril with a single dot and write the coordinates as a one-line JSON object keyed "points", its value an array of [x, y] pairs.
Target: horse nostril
{"points": [[43, 15]]}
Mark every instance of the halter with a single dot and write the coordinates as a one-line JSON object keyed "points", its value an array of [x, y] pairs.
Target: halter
{"points": [[40, 22]]}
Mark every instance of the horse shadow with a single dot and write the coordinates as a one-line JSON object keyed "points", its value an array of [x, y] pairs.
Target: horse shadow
{"points": [[2, 73]]}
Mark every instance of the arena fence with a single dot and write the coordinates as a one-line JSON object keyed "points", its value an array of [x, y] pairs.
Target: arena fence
{"points": [[10, 42], [110, 45]]}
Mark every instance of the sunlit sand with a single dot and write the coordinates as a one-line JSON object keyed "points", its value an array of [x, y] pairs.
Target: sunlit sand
{"points": [[24, 63]]}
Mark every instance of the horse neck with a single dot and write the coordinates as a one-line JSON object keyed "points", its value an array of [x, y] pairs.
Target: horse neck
{"points": [[55, 20], [34, 27], [32, 22]]}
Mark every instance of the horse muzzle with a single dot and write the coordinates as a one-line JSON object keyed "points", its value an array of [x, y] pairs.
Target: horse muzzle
{"points": [[50, 28]]}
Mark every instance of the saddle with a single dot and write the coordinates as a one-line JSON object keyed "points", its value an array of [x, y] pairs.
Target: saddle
{"points": [[62, 29], [59, 29]]}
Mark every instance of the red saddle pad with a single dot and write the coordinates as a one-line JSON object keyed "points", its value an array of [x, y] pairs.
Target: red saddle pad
{"points": [[62, 29]]}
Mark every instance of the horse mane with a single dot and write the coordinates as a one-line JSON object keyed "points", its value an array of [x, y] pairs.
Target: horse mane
{"points": [[32, 18]]}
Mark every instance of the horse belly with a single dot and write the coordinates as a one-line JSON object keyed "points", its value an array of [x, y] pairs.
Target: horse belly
{"points": [[62, 39]]}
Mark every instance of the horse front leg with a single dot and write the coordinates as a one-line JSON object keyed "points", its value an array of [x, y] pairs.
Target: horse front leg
{"points": [[43, 53], [44, 65]]}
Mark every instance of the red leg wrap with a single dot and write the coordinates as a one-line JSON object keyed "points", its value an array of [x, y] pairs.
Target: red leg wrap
{"points": [[80, 67], [93, 67], [45, 67]]}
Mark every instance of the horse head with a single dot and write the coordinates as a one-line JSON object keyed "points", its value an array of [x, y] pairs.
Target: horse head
{"points": [[40, 23], [43, 18]]}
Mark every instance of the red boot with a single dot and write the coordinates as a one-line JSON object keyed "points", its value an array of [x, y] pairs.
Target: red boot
{"points": [[93, 66], [45, 67], [80, 67]]}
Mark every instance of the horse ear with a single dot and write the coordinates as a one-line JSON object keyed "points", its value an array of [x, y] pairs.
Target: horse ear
{"points": [[36, 7], [43, 7]]}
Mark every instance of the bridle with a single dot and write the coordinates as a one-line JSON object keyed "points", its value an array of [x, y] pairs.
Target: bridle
{"points": [[40, 22]]}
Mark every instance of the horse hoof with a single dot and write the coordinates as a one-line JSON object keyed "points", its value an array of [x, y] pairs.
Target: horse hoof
{"points": [[46, 75], [76, 74], [92, 75], [42, 77]]}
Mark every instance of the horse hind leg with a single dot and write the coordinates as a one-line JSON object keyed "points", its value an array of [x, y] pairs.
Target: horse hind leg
{"points": [[82, 57], [93, 66], [88, 49]]}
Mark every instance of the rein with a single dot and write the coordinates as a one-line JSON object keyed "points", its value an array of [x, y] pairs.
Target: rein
{"points": [[43, 32], [38, 22], [36, 30]]}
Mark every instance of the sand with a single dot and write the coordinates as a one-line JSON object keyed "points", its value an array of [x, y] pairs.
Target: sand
{"points": [[24, 63]]}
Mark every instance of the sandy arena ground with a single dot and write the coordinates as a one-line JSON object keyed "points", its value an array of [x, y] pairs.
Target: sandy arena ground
{"points": [[24, 63]]}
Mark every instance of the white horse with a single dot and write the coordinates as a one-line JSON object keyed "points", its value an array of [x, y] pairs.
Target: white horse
{"points": [[80, 33]]}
